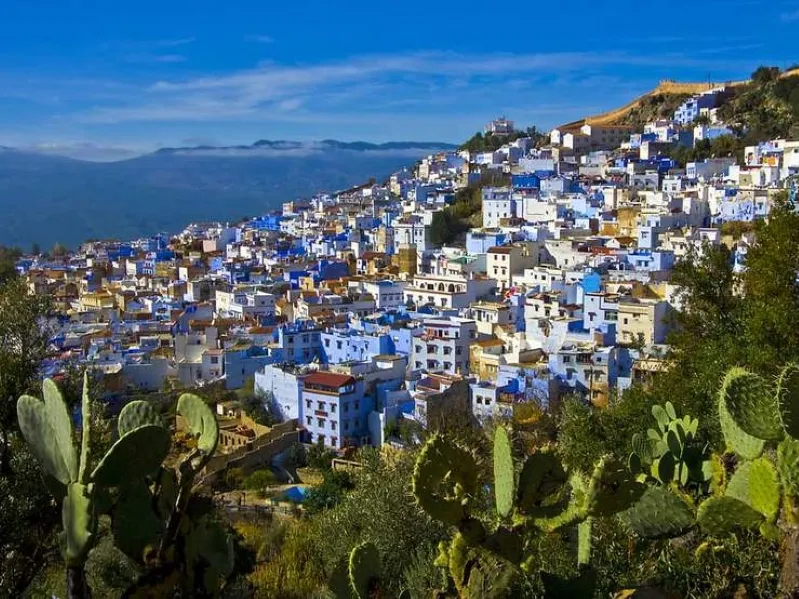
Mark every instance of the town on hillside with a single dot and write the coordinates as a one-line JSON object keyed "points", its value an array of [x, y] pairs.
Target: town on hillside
{"points": [[519, 270]]}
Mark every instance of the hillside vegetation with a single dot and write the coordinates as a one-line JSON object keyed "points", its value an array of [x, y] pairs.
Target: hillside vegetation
{"points": [[769, 95]]}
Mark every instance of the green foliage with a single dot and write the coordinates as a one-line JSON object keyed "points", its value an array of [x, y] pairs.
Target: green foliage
{"points": [[381, 510], [671, 453], [719, 147], [489, 143], [259, 481], [485, 562], [330, 493], [320, 456], [765, 109], [120, 485]]}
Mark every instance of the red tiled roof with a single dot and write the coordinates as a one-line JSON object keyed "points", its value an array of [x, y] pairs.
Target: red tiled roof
{"points": [[328, 379]]}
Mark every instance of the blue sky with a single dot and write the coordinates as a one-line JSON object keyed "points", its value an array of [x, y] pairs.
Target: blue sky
{"points": [[110, 78]]}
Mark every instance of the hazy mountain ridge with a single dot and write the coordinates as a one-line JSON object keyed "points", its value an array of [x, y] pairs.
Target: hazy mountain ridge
{"points": [[48, 198]]}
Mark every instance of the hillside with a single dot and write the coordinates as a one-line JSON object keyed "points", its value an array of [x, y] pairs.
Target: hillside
{"points": [[48, 199], [663, 100]]}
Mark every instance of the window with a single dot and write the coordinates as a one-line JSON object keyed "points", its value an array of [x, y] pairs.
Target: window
{"points": [[308, 403], [338, 344], [327, 342], [346, 425], [290, 340], [214, 360], [320, 405], [308, 420], [305, 338], [567, 359], [333, 424], [458, 350], [357, 405], [357, 422], [320, 422], [333, 408], [346, 407]]}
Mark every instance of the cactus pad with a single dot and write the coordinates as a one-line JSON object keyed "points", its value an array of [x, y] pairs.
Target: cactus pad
{"points": [[202, 422], [584, 541], [36, 425], [663, 468], [444, 478], [737, 440], [788, 465], [541, 484], [60, 420], [503, 472], [135, 455], [339, 582], [755, 483], [80, 524], [364, 570], [752, 403], [788, 396], [134, 523], [659, 514], [722, 515], [612, 489], [135, 414], [661, 417]]}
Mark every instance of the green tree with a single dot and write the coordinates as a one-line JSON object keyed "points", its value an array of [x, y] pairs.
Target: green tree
{"points": [[24, 338], [330, 493], [8, 259], [259, 481], [380, 509]]}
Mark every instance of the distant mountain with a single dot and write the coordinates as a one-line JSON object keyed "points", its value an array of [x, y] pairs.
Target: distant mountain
{"points": [[49, 198]]}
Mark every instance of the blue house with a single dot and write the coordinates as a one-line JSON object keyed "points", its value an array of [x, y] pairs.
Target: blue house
{"points": [[526, 181], [346, 345], [298, 342]]}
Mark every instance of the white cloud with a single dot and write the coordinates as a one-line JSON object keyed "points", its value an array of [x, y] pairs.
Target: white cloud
{"points": [[84, 151], [440, 77]]}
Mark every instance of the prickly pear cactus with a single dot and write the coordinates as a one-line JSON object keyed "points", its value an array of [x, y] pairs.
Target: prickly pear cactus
{"points": [[364, 570], [752, 404], [670, 453], [134, 455], [486, 560], [47, 428], [504, 486], [137, 414], [722, 515], [445, 480], [659, 513], [203, 425]]}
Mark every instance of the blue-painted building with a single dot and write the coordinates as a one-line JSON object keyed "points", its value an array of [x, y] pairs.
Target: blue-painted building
{"points": [[346, 345], [298, 342], [526, 181], [479, 242]]}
